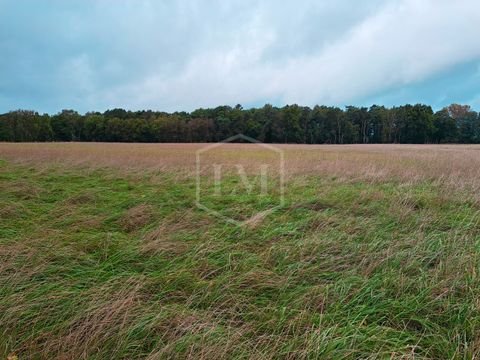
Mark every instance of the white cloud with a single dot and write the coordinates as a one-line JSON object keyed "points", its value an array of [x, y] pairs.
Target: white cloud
{"points": [[403, 42]]}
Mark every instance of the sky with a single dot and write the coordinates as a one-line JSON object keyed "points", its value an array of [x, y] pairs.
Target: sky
{"points": [[179, 55]]}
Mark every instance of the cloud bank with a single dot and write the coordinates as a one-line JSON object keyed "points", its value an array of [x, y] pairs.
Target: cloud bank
{"points": [[174, 55]]}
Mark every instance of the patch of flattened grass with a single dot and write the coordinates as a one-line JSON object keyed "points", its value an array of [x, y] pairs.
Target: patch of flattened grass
{"points": [[136, 217]]}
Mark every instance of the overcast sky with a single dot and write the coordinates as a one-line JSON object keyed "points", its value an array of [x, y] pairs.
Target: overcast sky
{"points": [[184, 54]]}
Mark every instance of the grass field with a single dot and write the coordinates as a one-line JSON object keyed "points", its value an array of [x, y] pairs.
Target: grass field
{"points": [[375, 254]]}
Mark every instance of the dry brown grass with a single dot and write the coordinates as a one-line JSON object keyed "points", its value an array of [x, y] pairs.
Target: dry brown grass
{"points": [[136, 217], [454, 165], [159, 241], [109, 311]]}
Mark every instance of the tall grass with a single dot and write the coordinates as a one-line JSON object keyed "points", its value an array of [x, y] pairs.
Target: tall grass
{"points": [[103, 254]]}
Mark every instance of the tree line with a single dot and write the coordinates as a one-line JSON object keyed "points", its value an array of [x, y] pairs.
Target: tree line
{"points": [[417, 124]]}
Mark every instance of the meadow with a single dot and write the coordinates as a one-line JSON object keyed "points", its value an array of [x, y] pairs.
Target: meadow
{"points": [[374, 254]]}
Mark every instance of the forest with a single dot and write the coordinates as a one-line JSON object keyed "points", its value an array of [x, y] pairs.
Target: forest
{"points": [[414, 124]]}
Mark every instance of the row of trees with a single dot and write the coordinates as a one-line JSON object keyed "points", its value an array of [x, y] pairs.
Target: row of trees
{"points": [[289, 124]]}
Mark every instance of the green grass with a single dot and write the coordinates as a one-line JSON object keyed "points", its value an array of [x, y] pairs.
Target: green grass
{"points": [[101, 264]]}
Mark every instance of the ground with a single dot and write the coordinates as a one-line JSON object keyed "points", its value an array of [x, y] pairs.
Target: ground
{"points": [[375, 254]]}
